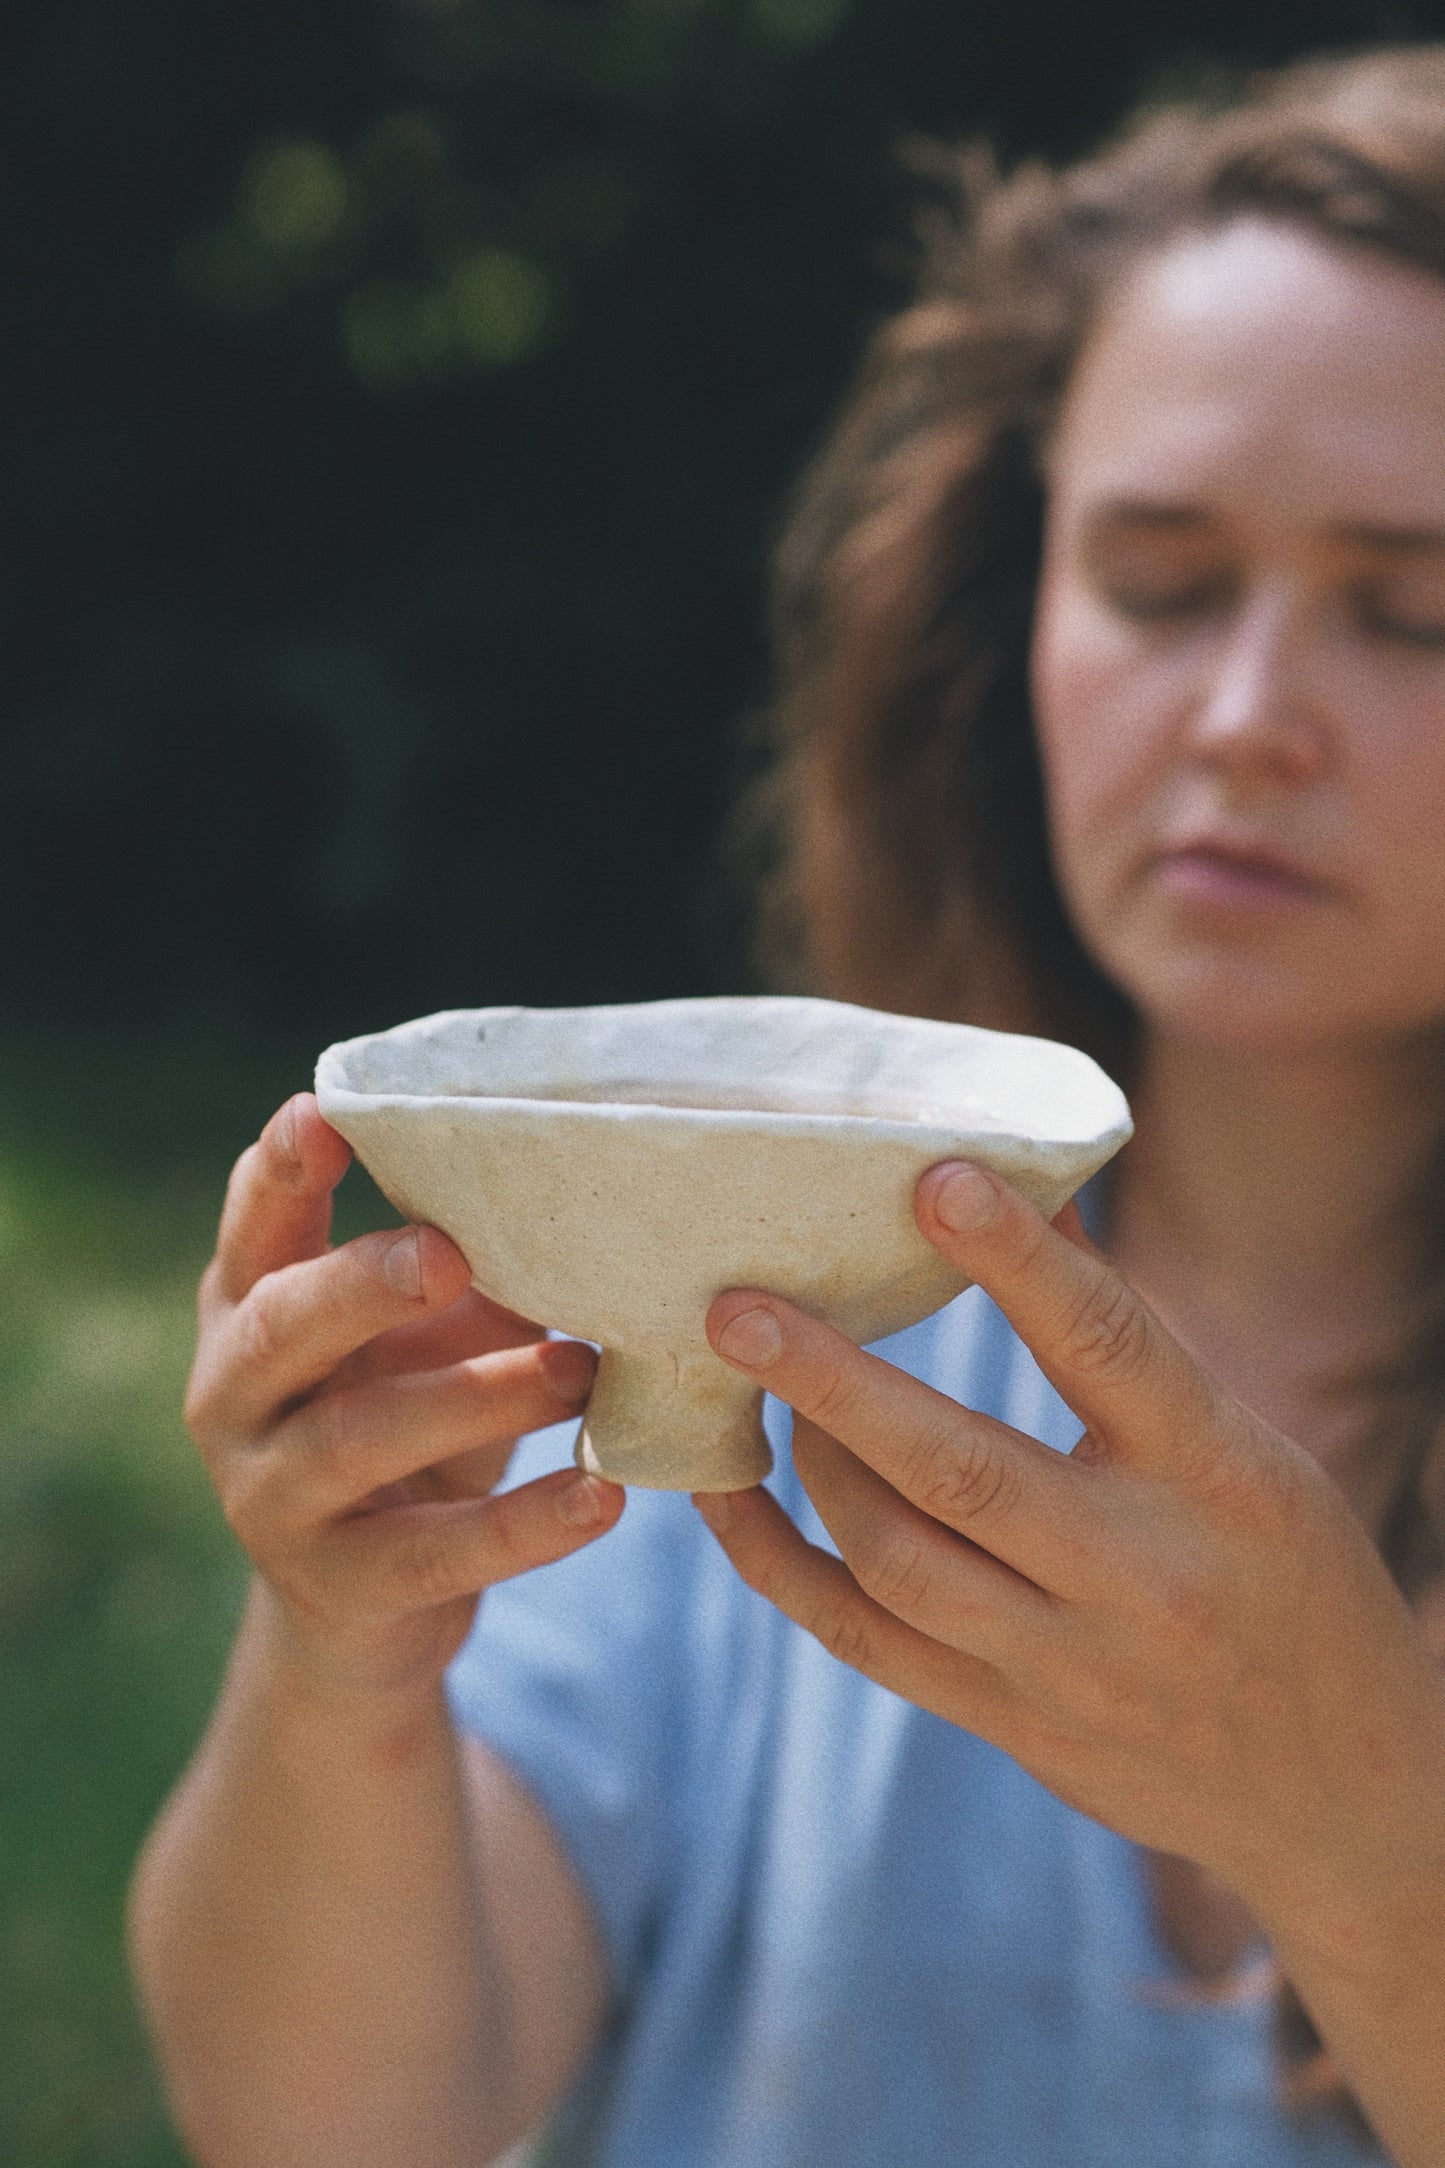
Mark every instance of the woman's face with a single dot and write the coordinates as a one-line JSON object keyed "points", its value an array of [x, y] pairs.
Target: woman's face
{"points": [[1239, 664]]}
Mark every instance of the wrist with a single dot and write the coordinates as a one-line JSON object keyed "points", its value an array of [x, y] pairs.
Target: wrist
{"points": [[1360, 1889], [1376, 1923], [324, 1699]]}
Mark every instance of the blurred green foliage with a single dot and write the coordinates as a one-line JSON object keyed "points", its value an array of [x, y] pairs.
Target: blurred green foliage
{"points": [[401, 400], [442, 251], [119, 1583], [117, 1591]]}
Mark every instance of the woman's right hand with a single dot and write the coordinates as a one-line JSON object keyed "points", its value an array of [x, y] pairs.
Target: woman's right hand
{"points": [[356, 1407]]}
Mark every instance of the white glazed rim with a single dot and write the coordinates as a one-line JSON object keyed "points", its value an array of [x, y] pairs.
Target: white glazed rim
{"points": [[333, 1089]]}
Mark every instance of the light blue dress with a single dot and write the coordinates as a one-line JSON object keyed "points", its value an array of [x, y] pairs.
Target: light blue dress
{"points": [[844, 1934]]}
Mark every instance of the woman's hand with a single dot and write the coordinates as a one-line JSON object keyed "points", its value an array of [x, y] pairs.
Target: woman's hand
{"points": [[1181, 1628], [355, 1407]]}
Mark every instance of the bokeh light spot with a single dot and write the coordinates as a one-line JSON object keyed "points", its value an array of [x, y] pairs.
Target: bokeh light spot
{"points": [[501, 304], [295, 196], [797, 23]]}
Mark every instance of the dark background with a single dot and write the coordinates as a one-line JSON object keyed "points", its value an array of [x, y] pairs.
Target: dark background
{"points": [[399, 402]]}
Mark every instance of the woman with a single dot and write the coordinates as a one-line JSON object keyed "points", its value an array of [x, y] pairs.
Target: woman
{"points": [[994, 1834]]}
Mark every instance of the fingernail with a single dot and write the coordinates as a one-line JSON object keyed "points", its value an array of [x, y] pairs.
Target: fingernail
{"points": [[753, 1337], [966, 1199], [716, 1508], [401, 1265], [569, 1368], [581, 1502], [286, 1132]]}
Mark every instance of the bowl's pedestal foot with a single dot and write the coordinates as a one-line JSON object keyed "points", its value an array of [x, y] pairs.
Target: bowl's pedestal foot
{"points": [[671, 1422]]}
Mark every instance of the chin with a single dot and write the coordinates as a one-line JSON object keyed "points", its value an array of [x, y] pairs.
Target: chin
{"points": [[1235, 1005]]}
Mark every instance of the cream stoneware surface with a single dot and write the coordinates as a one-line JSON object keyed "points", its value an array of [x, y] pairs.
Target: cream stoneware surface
{"points": [[608, 1171]]}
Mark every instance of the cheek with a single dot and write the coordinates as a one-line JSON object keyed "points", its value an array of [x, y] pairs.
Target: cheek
{"points": [[1098, 714], [1400, 790]]}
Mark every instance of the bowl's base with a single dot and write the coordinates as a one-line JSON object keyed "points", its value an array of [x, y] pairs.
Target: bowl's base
{"points": [[663, 1424], [737, 1469]]}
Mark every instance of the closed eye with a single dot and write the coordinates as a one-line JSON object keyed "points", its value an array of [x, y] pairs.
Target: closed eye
{"points": [[1156, 563], [1392, 618], [1147, 602]]}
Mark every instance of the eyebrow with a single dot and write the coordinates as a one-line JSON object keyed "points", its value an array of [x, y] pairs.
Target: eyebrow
{"points": [[1403, 541], [1175, 518], [1145, 512]]}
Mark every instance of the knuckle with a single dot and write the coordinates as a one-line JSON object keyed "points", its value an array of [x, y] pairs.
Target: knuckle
{"points": [[260, 1333], [423, 1570], [1109, 1333], [844, 1635], [833, 1398], [965, 1480], [897, 1574], [206, 1407], [275, 1149]]}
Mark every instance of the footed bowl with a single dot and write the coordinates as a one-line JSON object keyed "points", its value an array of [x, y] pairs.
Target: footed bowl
{"points": [[608, 1171]]}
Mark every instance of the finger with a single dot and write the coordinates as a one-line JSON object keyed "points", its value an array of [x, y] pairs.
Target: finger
{"points": [[1096, 1340], [296, 1325], [818, 1593], [1016, 1497], [474, 1325], [1070, 1224], [417, 1557], [340, 1448], [278, 1201], [932, 1579]]}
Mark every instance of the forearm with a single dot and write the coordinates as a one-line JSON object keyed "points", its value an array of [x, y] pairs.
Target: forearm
{"points": [[309, 1938], [1365, 1949]]}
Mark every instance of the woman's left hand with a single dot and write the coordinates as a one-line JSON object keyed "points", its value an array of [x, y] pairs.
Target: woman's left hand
{"points": [[1181, 1628]]}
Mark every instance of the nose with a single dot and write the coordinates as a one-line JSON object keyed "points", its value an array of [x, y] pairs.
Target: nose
{"points": [[1256, 714]]}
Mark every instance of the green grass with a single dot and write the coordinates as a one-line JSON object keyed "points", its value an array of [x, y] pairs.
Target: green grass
{"points": [[119, 1583]]}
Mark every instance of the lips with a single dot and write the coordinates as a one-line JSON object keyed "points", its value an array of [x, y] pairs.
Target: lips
{"points": [[1215, 874]]}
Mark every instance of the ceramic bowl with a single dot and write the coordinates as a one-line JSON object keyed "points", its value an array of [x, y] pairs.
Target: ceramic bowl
{"points": [[608, 1171]]}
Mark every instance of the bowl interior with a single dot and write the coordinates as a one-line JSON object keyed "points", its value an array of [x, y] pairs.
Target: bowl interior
{"points": [[766, 1055]]}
